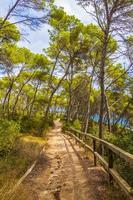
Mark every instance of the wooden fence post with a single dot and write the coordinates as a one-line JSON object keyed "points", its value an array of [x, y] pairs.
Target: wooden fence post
{"points": [[75, 138], [94, 149], [110, 164], [85, 140]]}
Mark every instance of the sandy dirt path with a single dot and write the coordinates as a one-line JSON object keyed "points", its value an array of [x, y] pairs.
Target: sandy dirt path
{"points": [[64, 173]]}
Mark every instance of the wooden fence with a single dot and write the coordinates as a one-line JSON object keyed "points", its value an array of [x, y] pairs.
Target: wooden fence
{"points": [[108, 164]]}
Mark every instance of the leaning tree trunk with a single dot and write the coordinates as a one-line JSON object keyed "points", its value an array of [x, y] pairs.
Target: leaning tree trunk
{"points": [[9, 13], [33, 101], [122, 113], [17, 97], [45, 119], [6, 96]]}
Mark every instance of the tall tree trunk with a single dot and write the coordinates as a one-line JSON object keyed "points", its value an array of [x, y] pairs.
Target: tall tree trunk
{"points": [[45, 119], [8, 105], [123, 128], [88, 105], [53, 69], [102, 87], [6, 96], [108, 114], [34, 98], [70, 94], [17, 97]]}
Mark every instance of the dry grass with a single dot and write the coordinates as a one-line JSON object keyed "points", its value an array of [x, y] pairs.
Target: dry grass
{"points": [[21, 193], [14, 166], [30, 145]]}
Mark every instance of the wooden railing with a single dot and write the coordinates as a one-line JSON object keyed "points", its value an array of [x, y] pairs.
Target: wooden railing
{"points": [[108, 164]]}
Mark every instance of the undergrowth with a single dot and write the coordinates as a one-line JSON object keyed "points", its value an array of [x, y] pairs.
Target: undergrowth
{"points": [[15, 163]]}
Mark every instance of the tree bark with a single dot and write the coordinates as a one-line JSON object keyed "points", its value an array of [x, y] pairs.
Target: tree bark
{"points": [[9, 13], [45, 119], [17, 97], [70, 94], [88, 106], [6, 96], [102, 87], [34, 98], [108, 114]]}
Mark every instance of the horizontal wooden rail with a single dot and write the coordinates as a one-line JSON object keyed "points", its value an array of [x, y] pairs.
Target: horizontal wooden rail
{"points": [[81, 138], [118, 151]]}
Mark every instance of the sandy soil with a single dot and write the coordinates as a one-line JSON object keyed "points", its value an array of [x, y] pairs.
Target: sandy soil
{"points": [[64, 172]]}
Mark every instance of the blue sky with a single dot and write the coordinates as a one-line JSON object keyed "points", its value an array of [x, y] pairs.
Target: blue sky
{"points": [[39, 39]]}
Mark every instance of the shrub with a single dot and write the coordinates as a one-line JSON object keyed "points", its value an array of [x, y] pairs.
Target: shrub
{"points": [[124, 141], [30, 124], [33, 125], [9, 131], [77, 124]]}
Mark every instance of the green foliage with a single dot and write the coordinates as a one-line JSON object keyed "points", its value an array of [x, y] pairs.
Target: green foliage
{"points": [[60, 20], [9, 131], [41, 61], [124, 141], [77, 124], [33, 125], [48, 123], [9, 33], [30, 124]]}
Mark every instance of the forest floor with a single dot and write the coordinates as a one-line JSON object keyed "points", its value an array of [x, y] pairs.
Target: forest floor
{"points": [[64, 172]]}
